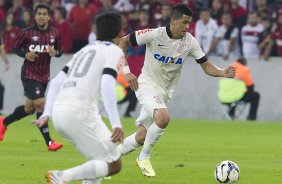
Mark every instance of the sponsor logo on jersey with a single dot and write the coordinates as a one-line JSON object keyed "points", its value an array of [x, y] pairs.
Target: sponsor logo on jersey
{"points": [[143, 31], [38, 48], [168, 59]]}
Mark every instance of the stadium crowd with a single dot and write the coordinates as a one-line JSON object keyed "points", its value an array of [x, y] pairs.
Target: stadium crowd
{"points": [[249, 28]]}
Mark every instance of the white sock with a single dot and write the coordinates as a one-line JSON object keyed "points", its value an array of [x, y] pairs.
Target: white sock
{"points": [[129, 144], [92, 169], [153, 135]]}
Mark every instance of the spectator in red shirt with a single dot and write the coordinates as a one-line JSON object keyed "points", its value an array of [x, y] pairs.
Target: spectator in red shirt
{"points": [[64, 28], [10, 32], [275, 39], [80, 18], [238, 12]]}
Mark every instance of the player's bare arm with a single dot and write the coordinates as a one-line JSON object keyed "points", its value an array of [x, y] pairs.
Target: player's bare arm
{"points": [[215, 71], [129, 77]]}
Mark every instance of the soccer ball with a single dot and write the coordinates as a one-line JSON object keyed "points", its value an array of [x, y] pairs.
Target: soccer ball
{"points": [[227, 172]]}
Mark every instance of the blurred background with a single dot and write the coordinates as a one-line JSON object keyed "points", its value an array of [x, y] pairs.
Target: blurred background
{"points": [[226, 30]]}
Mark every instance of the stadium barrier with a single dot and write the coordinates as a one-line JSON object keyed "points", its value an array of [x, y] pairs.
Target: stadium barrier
{"points": [[196, 94]]}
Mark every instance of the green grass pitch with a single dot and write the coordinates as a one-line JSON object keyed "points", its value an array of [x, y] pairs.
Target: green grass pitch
{"points": [[187, 153]]}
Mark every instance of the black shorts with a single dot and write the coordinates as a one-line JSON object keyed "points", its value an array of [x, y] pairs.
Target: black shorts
{"points": [[34, 89]]}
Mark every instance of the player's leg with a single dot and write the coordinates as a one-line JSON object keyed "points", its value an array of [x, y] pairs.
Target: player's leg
{"points": [[136, 139], [19, 113], [155, 106], [252, 97], [36, 93], [154, 132], [91, 138]]}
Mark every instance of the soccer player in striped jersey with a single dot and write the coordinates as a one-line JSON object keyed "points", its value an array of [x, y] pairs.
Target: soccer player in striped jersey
{"points": [[167, 48], [36, 44]]}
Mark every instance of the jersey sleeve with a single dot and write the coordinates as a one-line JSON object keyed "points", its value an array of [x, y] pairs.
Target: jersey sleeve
{"points": [[115, 60], [142, 37], [20, 40], [196, 50]]}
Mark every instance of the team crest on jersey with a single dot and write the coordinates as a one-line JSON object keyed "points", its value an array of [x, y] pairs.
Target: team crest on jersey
{"points": [[158, 99], [37, 91], [52, 39], [35, 38], [181, 47]]}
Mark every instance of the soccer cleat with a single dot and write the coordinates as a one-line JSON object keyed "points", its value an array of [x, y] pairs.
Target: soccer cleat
{"points": [[3, 128], [54, 146], [55, 177], [146, 167]]}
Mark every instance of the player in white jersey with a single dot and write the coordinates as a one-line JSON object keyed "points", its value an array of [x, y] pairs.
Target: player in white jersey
{"points": [[75, 114], [167, 48]]}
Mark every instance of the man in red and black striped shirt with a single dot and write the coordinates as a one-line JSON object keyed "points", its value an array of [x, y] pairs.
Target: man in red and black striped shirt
{"points": [[37, 44]]}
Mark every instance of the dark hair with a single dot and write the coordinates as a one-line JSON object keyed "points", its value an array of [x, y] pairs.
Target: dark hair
{"points": [[242, 60], [179, 10], [205, 10], [108, 26], [42, 6], [62, 11]]}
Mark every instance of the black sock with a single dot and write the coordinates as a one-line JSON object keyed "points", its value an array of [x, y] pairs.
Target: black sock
{"points": [[18, 114], [44, 130]]}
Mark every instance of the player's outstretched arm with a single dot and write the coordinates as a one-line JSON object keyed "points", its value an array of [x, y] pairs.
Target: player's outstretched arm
{"points": [[215, 71]]}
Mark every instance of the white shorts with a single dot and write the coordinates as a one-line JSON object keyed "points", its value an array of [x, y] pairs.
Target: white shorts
{"points": [[86, 131], [150, 98]]}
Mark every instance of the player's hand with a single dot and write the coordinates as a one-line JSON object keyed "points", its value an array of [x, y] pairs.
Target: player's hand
{"points": [[117, 135], [132, 80], [229, 72], [31, 56], [51, 50], [41, 121]]}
